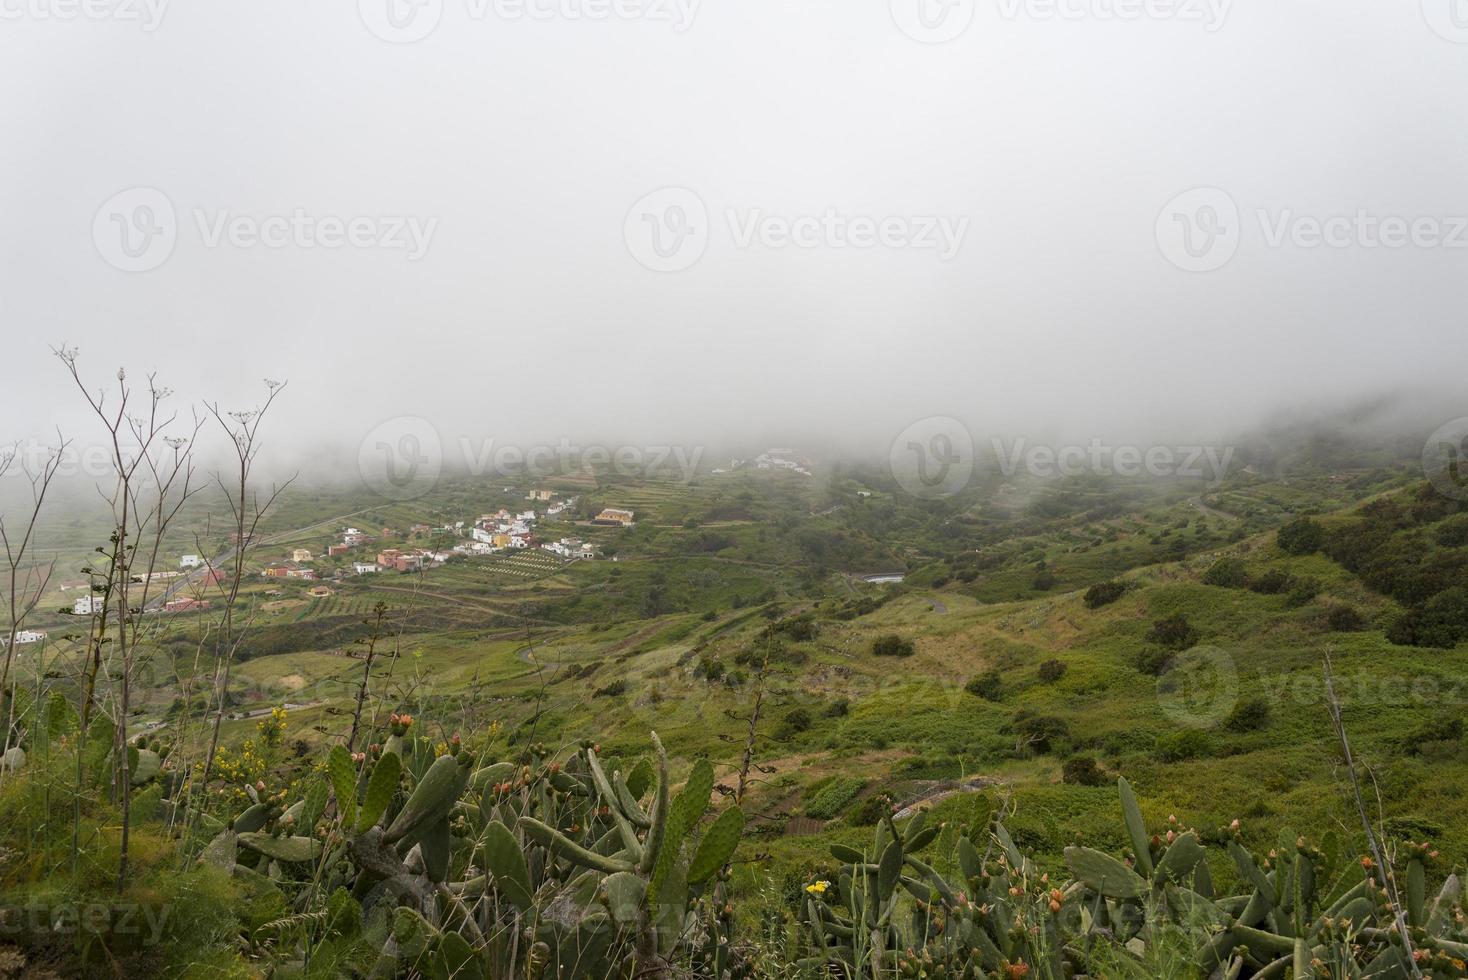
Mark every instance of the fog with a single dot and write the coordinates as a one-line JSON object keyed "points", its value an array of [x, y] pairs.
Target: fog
{"points": [[879, 212]]}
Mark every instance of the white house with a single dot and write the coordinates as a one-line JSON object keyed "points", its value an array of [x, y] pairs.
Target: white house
{"points": [[519, 542], [26, 636], [364, 567], [557, 548], [528, 515], [87, 605], [190, 561]]}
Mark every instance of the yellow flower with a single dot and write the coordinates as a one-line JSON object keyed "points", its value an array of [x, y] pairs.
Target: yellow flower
{"points": [[819, 888]]}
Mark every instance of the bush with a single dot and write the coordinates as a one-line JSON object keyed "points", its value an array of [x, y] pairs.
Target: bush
{"points": [[612, 690], [1303, 593], [1227, 573], [1442, 623], [1341, 618], [988, 685], [1248, 715], [1154, 661], [1432, 731], [1040, 732], [1052, 671], [839, 708], [1044, 580], [1273, 582], [1453, 532], [1301, 537], [892, 645], [796, 720], [1104, 594], [1184, 745], [1173, 633], [1082, 770]]}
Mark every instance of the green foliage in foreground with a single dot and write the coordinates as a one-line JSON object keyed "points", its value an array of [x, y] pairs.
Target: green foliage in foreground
{"points": [[1302, 910]]}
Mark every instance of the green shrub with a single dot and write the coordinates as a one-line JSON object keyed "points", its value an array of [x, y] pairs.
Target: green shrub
{"points": [[1248, 715], [1082, 770], [1430, 732], [1273, 582], [1173, 633], [1180, 746], [1302, 536], [1103, 594], [1052, 670], [1341, 618], [1040, 732], [796, 720], [892, 645], [988, 685], [1302, 593], [1227, 573]]}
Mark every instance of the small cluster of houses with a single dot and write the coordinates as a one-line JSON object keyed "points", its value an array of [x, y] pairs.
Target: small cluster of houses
{"points": [[503, 530], [770, 459], [780, 459]]}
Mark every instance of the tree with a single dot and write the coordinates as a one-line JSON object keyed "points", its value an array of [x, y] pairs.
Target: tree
{"points": [[1302, 536]]}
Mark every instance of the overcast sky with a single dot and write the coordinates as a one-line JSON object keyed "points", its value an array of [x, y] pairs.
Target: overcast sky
{"points": [[665, 220]]}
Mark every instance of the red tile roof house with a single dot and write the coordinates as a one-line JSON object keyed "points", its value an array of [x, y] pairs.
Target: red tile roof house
{"points": [[337, 549], [185, 604]]}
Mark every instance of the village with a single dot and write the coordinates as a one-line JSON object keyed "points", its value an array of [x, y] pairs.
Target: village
{"points": [[502, 531]]}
